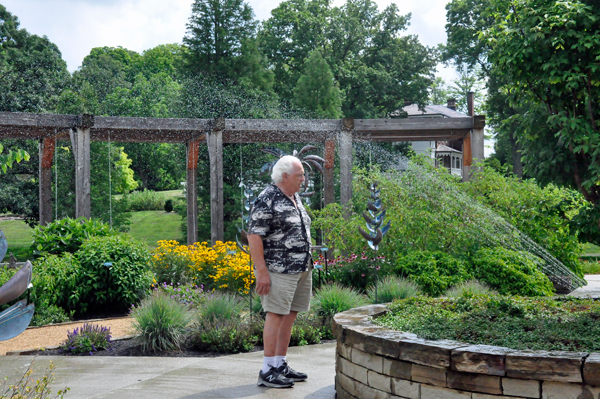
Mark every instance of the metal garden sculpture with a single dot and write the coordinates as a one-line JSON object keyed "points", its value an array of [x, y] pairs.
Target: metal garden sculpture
{"points": [[15, 319], [374, 219]]}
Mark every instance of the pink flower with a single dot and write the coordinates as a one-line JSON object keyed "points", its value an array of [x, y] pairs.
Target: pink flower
{"points": [[362, 275]]}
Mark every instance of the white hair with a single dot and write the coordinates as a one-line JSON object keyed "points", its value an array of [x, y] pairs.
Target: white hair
{"points": [[284, 165]]}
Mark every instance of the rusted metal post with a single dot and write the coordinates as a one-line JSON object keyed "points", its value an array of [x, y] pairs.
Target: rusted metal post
{"points": [[46, 149], [328, 183]]}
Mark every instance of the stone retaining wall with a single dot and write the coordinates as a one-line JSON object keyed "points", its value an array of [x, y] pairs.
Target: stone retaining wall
{"points": [[373, 362]]}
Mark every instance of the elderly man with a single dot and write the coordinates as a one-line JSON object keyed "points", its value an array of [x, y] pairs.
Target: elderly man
{"points": [[279, 239]]}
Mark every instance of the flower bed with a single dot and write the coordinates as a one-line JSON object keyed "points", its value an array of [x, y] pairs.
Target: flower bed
{"points": [[375, 362]]}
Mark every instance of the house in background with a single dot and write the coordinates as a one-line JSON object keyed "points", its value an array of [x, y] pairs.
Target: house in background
{"points": [[448, 154]]}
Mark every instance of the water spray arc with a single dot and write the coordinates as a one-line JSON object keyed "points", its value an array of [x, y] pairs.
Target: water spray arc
{"points": [[374, 219]]}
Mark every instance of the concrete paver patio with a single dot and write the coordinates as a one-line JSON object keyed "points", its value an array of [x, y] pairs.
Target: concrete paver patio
{"points": [[231, 376]]}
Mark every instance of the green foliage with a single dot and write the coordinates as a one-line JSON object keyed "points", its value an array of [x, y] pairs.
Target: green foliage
{"points": [[215, 33], [305, 331], [27, 388], [55, 279], [567, 324], [376, 68], [168, 205], [391, 288], [67, 235], [434, 272], [511, 272], [161, 323], [7, 160], [357, 271], [187, 294], [113, 272], [88, 339], [33, 72], [316, 89], [590, 267], [545, 214], [225, 336], [50, 314], [145, 200], [469, 289], [334, 298], [221, 306]]}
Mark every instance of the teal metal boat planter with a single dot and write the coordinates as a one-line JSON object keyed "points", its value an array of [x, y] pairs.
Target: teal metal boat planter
{"points": [[15, 319]]}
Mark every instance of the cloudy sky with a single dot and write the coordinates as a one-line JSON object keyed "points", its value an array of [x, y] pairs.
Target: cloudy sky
{"points": [[77, 26]]}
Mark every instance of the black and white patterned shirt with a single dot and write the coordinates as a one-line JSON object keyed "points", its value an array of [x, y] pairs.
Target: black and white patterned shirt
{"points": [[285, 231]]}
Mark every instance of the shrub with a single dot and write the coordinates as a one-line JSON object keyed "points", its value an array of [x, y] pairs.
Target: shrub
{"points": [[87, 339], [357, 271], [305, 333], [55, 280], [113, 272], [67, 235], [221, 306], [225, 335], [334, 298], [256, 309], [161, 323], [221, 266], [433, 271], [511, 272], [469, 288], [391, 288], [145, 200], [169, 205], [50, 314]]}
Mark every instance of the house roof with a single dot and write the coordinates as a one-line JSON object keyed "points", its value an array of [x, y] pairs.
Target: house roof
{"points": [[445, 148], [432, 111]]}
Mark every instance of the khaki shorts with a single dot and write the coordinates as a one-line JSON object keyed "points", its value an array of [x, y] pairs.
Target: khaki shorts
{"points": [[289, 292]]}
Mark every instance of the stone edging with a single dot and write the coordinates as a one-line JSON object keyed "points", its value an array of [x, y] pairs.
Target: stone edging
{"points": [[376, 362]]}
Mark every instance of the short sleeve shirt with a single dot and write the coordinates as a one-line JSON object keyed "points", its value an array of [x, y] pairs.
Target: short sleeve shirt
{"points": [[285, 231]]}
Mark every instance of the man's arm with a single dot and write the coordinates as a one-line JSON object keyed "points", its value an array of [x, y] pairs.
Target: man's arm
{"points": [[263, 281]]}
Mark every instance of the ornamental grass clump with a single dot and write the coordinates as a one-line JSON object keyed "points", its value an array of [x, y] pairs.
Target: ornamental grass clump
{"points": [[187, 294], [161, 323], [391, 288], [334, 298], [89, 338], [222, 327], [469, 288]]}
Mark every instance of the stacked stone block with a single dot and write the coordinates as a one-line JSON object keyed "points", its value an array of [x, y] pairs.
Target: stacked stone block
{"points": [[375, 362]]}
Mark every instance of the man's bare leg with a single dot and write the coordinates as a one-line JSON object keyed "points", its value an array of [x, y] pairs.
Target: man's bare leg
{"points": [[285, 333]]}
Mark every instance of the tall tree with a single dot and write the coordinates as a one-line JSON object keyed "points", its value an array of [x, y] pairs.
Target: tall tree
{"points": [[316, 89], [218, 36], [549, 52], [377, 68], [32, 71]]}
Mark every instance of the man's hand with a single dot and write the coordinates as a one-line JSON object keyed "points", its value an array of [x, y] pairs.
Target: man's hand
{"points": [[263, 281]]}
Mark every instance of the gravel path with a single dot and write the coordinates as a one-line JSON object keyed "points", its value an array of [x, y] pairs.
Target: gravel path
{"points": [[47, 336]]}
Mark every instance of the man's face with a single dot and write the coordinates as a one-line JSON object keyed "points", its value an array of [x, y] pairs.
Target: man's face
{"points": [[294, 179]]}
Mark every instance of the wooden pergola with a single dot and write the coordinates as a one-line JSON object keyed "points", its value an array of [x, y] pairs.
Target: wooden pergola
{"points": [[82, 129]]}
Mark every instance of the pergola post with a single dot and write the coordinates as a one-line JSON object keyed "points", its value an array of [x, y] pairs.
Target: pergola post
{"points": [[345, 154], [214, 140], [80, 140], [46, 149], [328, 183], [191, 187]]}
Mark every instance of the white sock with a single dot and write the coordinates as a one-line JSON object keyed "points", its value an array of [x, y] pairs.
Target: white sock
{"points": [[268, 362], [280, 360]]}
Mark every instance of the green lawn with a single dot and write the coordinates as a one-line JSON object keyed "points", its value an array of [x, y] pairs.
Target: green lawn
{"points": [[151, 226], [147, 226], [19, 237]]}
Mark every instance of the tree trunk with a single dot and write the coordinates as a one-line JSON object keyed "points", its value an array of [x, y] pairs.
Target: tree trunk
{"points": [[516, 156]]}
